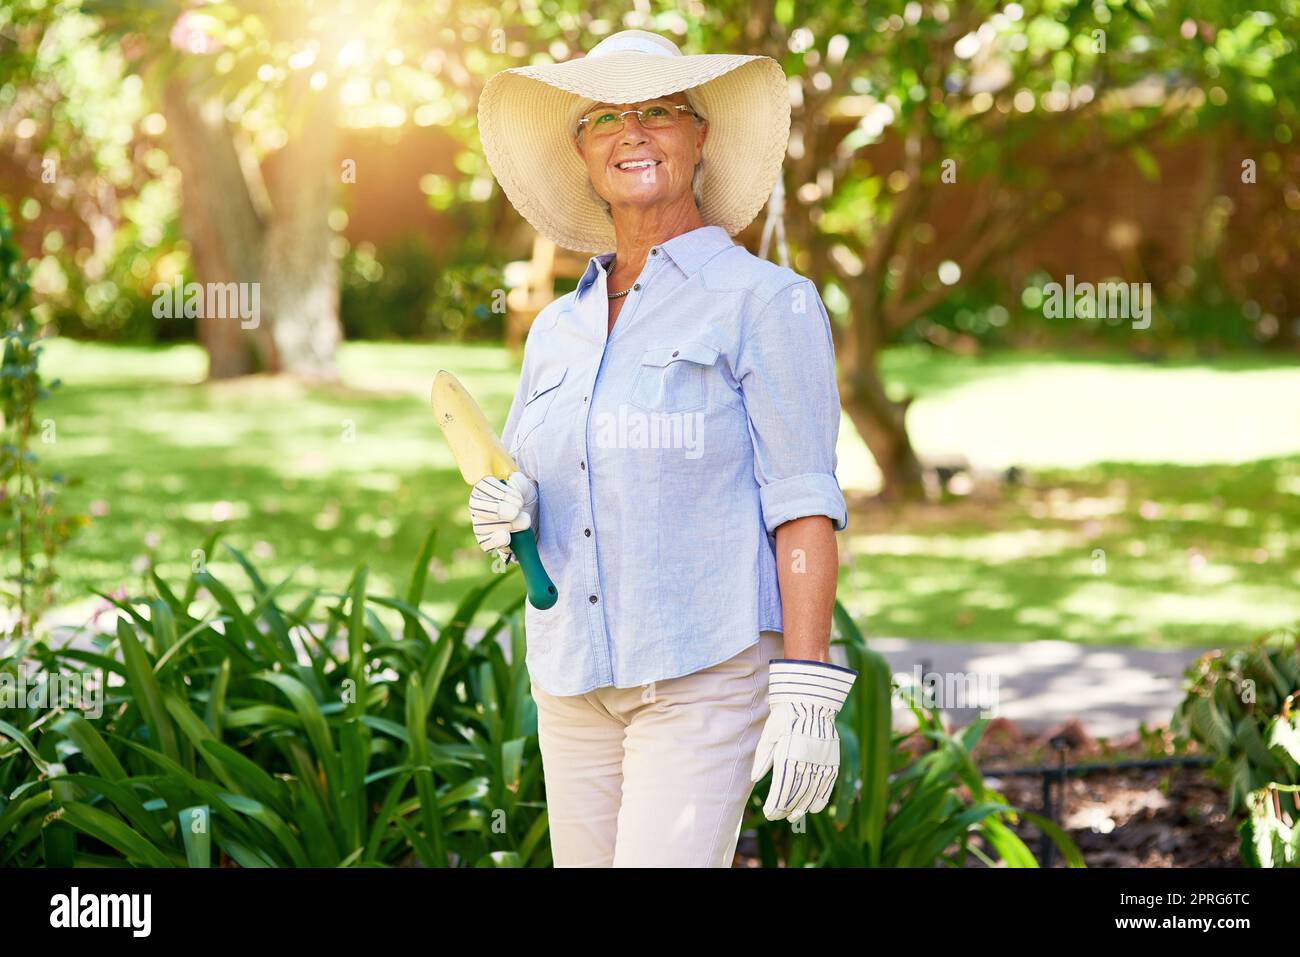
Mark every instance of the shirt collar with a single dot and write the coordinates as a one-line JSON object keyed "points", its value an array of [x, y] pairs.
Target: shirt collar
{"points": [[689, 251]]}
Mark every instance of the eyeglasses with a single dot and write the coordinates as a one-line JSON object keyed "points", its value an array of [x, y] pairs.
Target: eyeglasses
{"points": [[607, 121]]}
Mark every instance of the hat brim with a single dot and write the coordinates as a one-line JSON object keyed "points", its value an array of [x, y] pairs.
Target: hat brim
{"points": [[523, 115]]}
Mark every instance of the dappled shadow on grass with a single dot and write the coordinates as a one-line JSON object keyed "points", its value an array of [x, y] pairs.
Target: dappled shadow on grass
{"points": [[327, 526], [326, 482], [1111, 554], [1106, 553], [1032, 599]]}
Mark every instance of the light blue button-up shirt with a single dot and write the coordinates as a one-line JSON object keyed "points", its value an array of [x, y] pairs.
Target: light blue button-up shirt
{"points": [[666, 454]]}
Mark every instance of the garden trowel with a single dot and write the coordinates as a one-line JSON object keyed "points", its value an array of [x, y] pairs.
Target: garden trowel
{"points": [[479, 453]]}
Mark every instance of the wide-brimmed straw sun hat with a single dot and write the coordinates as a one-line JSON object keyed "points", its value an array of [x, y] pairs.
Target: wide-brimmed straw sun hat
{"points": [[527, 117]]}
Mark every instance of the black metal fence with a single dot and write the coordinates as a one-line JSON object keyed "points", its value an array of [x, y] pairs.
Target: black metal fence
{"points": [[1052, 810]]}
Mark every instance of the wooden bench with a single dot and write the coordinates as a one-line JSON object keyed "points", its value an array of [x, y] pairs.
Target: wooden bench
{"points": [[531, 284]]}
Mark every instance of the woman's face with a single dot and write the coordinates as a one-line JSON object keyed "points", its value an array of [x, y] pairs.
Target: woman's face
{"points": [[674, 149]]}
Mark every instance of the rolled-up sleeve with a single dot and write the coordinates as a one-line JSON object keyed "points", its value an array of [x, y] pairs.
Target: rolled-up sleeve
{"points": [[786, 371]]}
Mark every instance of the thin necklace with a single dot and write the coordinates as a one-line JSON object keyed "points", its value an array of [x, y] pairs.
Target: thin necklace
{"points": [[615, 295]]}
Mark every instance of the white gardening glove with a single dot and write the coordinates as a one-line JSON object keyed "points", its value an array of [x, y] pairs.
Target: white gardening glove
{"points": [[799, 741], [498, 508]]}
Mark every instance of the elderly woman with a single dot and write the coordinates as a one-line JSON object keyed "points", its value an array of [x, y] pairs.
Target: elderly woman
{"points": [[674, 430]]}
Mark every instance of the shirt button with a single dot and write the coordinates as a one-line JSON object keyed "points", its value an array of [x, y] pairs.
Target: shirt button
{"points": [[582, 465], [592, 599], [587, 532], [655, 251], [676, 352], [636, 285]]}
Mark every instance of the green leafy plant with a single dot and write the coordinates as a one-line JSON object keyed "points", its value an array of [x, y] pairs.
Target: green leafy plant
{"points": [[258, 735], [893, 806], [33, 525], [1240, 707], [351, 729], [407, 290]]}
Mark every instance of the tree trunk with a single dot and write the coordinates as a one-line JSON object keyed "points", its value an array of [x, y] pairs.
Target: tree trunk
{"points": [[268, 227], [219, 219], [301, 291], [880, 420]]}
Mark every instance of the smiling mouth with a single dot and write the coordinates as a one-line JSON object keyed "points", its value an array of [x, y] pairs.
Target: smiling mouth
{"points": [[632, 166]]}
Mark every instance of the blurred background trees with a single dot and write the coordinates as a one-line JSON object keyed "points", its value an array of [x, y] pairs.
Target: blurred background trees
{"points": [[946, 162], [974, 128]]}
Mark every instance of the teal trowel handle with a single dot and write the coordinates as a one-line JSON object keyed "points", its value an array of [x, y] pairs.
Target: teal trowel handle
{"points": [[541, 591]]}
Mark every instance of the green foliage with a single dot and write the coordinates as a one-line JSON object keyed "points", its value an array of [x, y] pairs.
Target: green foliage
{"points": [[893, 807], [98, 186], [1266, 840], [1020, 98], [386, 293], [404, 291], [1200, 322], [974, 311], [470, 300], [1026, 108], [118, 306], [261, 735], [33, 524], [353, 730], [1240, 707]]}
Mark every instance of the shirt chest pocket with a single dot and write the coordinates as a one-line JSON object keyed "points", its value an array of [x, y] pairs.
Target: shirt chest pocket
{"points": [[673, 379], [537, 404]]}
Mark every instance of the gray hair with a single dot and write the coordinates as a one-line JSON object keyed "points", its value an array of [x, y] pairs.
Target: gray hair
{"points": [[697, 178]]}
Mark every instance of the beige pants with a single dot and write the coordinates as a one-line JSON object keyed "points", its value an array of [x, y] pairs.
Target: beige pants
{"points": [[657, 775]]}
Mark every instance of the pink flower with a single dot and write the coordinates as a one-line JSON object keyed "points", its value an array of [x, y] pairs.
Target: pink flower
{"points": [[188, 34], [120, 593]]}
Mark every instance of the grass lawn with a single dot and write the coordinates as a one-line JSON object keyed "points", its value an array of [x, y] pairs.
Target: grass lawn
{"points": [[1163, 506]]}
